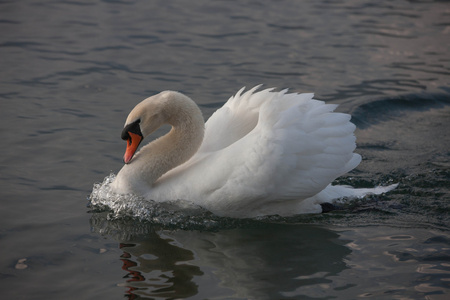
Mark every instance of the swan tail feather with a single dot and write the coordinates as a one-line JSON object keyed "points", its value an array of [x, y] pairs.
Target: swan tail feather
{"points": [[336, 192]]}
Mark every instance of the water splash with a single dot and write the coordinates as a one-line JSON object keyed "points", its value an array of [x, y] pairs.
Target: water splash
{"points": [[179, 214]]}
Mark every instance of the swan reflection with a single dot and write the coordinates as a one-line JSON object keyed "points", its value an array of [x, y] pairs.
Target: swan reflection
{"points": [[260, 261], [156, 269]]}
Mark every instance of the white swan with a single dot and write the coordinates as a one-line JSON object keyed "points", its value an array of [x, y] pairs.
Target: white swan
{"points": [[262, 153]]}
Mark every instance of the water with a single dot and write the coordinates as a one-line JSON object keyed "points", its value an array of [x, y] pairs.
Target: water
{"points": [[72, 70]]}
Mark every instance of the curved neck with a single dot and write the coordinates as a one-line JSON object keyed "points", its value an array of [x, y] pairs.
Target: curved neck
{"points": [[172, 149]]}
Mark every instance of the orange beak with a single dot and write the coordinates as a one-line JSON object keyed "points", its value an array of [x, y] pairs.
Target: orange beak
{"points": [[132, 144]]}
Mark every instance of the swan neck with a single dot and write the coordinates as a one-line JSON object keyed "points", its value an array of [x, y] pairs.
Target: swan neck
{"points": [[174, 148]]}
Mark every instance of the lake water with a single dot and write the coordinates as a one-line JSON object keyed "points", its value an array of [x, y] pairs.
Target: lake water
{"points": [[70, 71]]}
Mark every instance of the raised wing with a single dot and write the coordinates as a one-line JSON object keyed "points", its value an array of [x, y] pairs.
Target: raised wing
{"points": [[263, 149], [297, 147]]}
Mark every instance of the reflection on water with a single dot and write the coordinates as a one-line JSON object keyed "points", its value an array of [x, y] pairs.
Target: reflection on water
{"points": [[263, 261], [274, 261], [157, 268]]}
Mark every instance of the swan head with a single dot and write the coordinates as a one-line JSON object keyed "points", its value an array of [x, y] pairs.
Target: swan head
{"points": [[133, 135], [167, 107]]}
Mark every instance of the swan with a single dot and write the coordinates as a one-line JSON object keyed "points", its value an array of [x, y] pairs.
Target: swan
{"points": [[264, 152]]}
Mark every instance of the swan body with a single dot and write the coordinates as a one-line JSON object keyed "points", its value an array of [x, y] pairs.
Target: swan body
{"points": [[262, 153]]}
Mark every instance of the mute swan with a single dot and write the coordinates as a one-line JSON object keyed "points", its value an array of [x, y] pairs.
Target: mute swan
{"points": [[262, 153]]}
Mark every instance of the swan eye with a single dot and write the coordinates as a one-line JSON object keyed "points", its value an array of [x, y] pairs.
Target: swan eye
{"points": [[131, 128]]}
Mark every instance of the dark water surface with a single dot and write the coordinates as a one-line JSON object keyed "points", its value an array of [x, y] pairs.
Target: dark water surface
{"points": [[70, 71]]}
